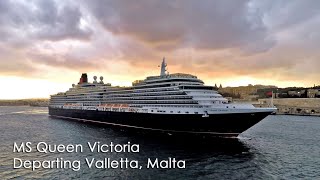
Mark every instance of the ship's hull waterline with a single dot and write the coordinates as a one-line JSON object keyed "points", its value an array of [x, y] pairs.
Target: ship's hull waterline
{"points": [[222, 125]]}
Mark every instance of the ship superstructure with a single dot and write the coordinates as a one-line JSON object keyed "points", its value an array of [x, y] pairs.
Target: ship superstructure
{"points": [[169, 102]]}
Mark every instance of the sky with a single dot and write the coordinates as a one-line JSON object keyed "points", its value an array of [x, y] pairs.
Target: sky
{"points": [[45, 45]]}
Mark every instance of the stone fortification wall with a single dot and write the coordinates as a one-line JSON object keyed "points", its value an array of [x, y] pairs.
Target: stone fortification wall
{"points": [[296, 106]]}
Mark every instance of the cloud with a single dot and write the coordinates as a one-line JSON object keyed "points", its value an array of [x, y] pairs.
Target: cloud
{"points": [[174, 24], [14, 63], [286, 14], [28, 21], [216, 40]]}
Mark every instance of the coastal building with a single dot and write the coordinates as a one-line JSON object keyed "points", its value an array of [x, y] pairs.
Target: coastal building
{"points": [[246, 92], [312, 93], [296, 93]]}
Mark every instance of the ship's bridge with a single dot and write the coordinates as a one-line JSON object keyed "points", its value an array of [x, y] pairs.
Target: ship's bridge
{"points": [[166, 77], [175, 75]]}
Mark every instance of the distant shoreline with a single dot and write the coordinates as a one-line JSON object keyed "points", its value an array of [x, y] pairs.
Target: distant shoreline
{"points": [[312, 115], [23, 105], [25, 102]]}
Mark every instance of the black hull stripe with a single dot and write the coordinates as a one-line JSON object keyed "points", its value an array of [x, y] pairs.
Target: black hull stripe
{"points": [[152, 129]]}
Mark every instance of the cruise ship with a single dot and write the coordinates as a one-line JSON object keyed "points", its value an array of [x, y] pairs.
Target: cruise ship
{"points": [[171, 103]]}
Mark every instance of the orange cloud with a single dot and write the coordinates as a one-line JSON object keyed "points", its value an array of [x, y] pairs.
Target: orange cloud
{"points": [[233, 43]]}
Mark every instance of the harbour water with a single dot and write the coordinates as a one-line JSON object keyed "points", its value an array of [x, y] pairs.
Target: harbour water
{"points": [[279, 147]]}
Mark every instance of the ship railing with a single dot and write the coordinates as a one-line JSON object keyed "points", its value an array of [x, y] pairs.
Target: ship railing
{"points": [[114, 105]]}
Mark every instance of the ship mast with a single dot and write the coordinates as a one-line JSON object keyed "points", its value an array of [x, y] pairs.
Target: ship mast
{"points": [[163, 67]]}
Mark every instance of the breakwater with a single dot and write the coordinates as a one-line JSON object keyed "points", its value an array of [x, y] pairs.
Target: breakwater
{"points": [[294, 106]]}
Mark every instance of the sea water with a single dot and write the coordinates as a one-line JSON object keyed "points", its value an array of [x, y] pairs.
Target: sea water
{"points": [[279, 147]]}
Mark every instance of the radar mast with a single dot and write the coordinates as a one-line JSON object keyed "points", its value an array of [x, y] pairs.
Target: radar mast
{"points": [[163, 67]]}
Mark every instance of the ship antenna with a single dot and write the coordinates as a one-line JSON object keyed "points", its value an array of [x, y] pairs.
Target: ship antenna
{"points": [[163, 67]]}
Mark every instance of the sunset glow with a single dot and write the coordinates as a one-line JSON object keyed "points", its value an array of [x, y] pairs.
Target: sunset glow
{"points": [[46, 45]]}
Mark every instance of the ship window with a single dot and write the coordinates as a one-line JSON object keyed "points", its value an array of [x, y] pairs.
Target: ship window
{"points": [[187, 112], [227, 106], [171, 111], [178, 111], [151, 110], [196, 112]]}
